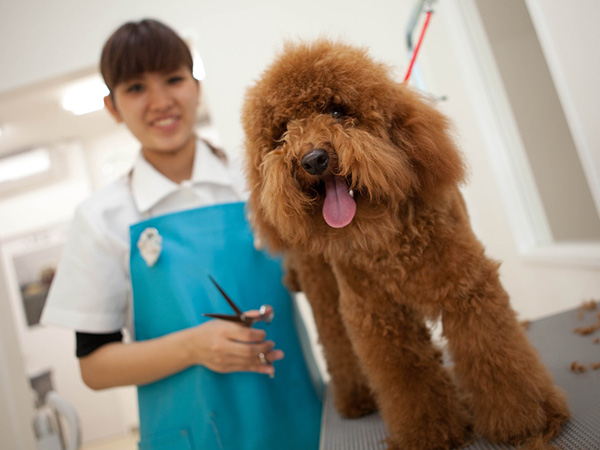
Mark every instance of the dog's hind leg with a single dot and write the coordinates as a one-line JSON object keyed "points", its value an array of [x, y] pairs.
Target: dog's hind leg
{"points": [[417, 399], [352, 395], [512, 394]]}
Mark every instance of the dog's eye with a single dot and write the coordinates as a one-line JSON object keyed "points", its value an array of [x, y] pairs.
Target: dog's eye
{"points": [[278, 132], [337, 111]]}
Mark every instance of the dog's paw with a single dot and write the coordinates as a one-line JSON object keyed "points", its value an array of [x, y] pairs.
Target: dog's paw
{"points": [[510, 426], [436, 427], [452, 437], [526, 422], [557, 414], [355, 402]]}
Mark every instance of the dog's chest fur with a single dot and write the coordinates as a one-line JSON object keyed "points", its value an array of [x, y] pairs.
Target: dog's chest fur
{"points": [[432, 254]]}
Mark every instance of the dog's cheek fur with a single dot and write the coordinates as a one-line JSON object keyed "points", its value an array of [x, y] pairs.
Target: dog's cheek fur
{"points": [[253, 166], [422, 133], [368, 158], [361, 152], [276, 198]]}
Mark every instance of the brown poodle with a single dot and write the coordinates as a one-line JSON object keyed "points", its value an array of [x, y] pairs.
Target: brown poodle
{"points": [[354, 179]]}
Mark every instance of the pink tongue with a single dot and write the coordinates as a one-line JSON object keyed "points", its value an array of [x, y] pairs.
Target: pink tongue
{"points": [[339, 208]]}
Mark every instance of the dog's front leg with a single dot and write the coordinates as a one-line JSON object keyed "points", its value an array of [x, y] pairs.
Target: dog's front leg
{"points": [[352, 395], [417, 399], [512, 394]]}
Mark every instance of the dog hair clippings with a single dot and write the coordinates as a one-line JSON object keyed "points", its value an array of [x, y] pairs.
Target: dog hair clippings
{"points": [[150, 245]]}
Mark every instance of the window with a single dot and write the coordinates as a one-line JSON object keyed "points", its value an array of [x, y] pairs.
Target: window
{"points": [[549, 147]]}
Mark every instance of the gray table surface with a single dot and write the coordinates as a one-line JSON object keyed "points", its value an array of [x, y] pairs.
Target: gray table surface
{"points": [[559, 346]]}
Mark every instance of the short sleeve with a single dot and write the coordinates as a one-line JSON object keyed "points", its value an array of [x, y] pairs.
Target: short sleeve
{"points": [[89, 291], [88, 343]]}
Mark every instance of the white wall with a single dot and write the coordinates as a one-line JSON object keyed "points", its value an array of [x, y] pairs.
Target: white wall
{"points": [[16, 407], [538, 287], [567, 31]]}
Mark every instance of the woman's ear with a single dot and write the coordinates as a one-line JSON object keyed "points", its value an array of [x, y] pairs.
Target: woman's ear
{"points": [[112, 108]]}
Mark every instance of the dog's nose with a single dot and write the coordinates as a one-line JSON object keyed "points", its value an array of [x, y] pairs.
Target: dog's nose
{"points": [[315, 162]]}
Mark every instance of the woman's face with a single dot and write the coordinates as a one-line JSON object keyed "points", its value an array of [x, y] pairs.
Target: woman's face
{"points": [[159, 109]]}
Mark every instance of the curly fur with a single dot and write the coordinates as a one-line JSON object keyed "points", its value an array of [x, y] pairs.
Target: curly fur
{"points": [[407, 255]]}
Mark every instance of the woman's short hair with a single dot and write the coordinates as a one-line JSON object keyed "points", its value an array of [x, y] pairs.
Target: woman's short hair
{"points": [[139, 47]]}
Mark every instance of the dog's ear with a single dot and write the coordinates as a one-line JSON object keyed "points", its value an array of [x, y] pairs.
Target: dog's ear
{"points": [[422, 133]]}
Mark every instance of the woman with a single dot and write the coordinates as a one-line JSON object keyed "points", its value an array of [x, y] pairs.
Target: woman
{"points": [[139, 257]]}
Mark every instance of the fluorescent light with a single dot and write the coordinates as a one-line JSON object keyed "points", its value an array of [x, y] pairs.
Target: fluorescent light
{"points": [[85, 96], [24, 164]]}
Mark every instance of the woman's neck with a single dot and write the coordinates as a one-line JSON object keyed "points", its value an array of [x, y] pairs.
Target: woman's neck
{"points": [[177, 165]]}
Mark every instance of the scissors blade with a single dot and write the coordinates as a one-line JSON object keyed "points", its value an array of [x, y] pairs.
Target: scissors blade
{"points": [[237, 310], [230, 317]]}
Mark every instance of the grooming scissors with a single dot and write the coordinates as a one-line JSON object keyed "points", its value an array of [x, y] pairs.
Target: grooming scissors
{"points": [[265, 313]]}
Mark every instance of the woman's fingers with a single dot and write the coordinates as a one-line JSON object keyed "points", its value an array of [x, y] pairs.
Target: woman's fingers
{"points": [[253, 364], [251, 352], [232, 347], [239, 333], [264, 362]]}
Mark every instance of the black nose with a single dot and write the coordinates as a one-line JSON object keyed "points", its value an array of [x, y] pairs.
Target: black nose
{"points": [[316, 161]]}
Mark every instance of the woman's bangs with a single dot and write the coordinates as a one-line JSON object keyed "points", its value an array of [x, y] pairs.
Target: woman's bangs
{"points": [[147, 49]]}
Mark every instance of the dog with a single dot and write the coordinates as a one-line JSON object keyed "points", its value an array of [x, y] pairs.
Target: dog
{"points": [[354, 178]]}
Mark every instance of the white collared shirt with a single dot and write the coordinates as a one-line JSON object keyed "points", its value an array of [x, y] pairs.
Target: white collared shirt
{"points": [[91, 291]]}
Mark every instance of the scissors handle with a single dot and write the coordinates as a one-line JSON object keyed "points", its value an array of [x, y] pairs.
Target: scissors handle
{"points": [[266, 313]]}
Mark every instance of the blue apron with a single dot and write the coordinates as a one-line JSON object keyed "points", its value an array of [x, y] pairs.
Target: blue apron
{"points": [[197, 408]]}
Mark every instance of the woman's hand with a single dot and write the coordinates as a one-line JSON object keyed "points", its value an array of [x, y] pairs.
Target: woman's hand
{"points": [[225, 347], [217, 344]]}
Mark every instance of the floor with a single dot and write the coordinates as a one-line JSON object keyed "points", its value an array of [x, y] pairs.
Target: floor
{"points": [[125, 442]]}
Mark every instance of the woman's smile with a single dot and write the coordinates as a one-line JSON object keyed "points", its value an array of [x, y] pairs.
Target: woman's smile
{"points": [[166, 123]]}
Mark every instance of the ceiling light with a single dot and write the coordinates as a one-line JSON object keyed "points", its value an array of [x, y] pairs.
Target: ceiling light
{"points": [[24, 164], [85, 96]]}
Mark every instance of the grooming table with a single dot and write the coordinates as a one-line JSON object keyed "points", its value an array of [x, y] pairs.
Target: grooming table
{"points": [[559, 346]]}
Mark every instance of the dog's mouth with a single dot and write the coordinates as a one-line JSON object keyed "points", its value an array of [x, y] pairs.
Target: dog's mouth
{"points": [[339, 206]]}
